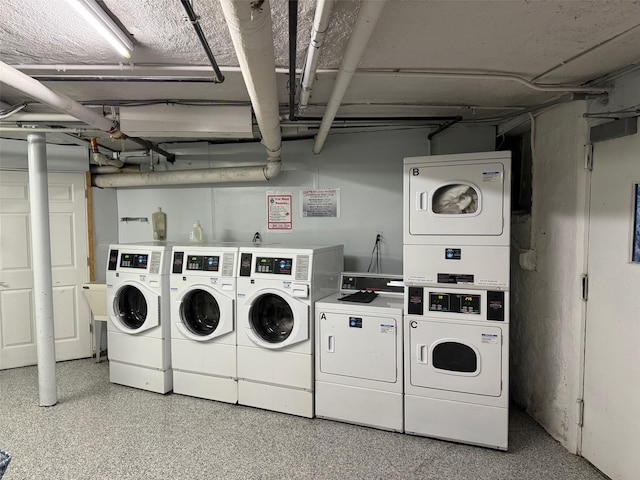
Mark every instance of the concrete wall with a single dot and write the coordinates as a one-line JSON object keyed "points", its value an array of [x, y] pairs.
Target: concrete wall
{"points": [[365, 167], [548, 257]]}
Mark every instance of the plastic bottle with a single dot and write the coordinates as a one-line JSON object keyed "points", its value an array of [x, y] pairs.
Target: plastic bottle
{"points": [[196, 236], [159, 220]]}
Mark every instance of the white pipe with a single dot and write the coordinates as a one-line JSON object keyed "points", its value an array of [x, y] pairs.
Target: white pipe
{"points": [[252, 35], [33, 88], [190, 177], [320, 26], [42, 275], [367, 19]]}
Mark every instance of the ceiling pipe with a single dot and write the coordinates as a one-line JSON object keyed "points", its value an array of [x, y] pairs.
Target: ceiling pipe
{"points": [[293, 47], [320, 27], [366, 22], [252, 35], [35, 89], [193, 18]]}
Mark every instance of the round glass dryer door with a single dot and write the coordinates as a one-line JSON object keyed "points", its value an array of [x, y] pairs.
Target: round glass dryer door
{"points": [[271, 318], [131, 307], [200, 312]]}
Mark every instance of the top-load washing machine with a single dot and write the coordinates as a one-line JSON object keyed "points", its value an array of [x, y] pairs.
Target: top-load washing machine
{"points": [[277, 290], [457, 212], [203, 335], [139, 326], [359, 372]]}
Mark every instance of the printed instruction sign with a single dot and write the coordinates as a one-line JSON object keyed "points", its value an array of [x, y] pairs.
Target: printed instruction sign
{"points": [[279, 212], [320, 203]]}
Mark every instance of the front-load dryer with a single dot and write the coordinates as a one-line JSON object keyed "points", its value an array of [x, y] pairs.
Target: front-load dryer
{"points": [[139, 325], [277, 290], [203, 335], [457, 211], [457, 365], [359, 365]]}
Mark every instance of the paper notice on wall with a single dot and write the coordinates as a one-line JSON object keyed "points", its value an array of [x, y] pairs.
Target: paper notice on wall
{"points": [[320, 203], [279, 218]]}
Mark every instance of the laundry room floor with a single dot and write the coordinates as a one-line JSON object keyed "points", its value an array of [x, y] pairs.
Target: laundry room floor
{"points": [[100, 430]]}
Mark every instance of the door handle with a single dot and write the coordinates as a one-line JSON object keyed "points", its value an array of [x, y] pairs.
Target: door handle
{"points": [[331, 344], [420, 357], [422, 200]]}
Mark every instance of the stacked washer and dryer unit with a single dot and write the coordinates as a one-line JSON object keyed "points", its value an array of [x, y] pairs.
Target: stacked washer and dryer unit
{"points": [[456, 272], [277, 288], [138, 312]]}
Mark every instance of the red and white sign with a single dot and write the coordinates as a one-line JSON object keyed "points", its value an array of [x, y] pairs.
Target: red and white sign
{"points": [[279, 216]]}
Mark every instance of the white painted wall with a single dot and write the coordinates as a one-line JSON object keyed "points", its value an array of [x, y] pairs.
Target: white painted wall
{"points": [[366, 167], [547, 311]]}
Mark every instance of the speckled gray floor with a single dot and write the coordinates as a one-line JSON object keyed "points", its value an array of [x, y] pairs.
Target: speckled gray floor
{"points": [[100, 430]]}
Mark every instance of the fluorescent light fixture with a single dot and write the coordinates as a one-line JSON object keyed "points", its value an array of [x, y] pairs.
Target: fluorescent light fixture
{"points": [[102, 23]]}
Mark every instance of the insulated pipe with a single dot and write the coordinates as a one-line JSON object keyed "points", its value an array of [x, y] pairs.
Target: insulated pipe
{"points": [[320, 27], [252, 35], [190, 177], [35, 89], [42, 274], [367, 18]]}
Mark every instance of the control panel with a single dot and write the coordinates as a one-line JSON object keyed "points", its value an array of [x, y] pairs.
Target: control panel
{"points": [[277, 266], [203, 263], [134, 260]]}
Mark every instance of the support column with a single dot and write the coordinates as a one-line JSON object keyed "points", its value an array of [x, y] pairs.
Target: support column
{"points": [[42, 274]]}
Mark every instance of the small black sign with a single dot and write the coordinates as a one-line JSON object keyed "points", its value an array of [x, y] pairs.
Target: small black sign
{"points": [[355, 322], [453, 253]]}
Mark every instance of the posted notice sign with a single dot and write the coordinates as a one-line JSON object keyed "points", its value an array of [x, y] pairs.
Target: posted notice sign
{"points": [[320, 203], [279, 211]]}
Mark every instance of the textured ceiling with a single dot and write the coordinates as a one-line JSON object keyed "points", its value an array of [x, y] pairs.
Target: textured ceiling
{"points": [[547, 42]]}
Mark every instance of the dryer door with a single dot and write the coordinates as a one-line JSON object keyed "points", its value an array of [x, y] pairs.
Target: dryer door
{"points": [[133, 308], [204, 313], [456, 357], [276, 320]]}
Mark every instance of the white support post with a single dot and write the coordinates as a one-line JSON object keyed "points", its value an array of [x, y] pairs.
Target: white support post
{"points": [[42, 275]]}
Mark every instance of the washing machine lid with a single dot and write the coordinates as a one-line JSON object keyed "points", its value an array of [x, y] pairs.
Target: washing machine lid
{"points": [[203, 313], [456, 357], [276, 319], [134, 308]]}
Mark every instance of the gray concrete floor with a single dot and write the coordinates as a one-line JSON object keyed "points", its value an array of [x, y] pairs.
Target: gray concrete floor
{"points": [[100, 430]]}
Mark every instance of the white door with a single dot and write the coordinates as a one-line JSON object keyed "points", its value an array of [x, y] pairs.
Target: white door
{"points": [[68, 220], [358, 346], [611, 426]]}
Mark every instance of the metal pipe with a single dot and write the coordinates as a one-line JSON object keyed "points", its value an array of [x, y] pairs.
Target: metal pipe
{"points": [[444, 126], [293, 35], [309, 70], [42, 273], [367, 19], [193, 18]]}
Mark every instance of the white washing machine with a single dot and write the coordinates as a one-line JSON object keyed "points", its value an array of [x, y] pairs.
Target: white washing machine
{"points": [[139, 326], [457, 212], [457, 365], [359, 364], [203, 336], [277, 290]]}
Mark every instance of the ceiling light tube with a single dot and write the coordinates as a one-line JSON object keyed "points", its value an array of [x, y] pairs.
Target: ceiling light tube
{"points": [[104, 25]]}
